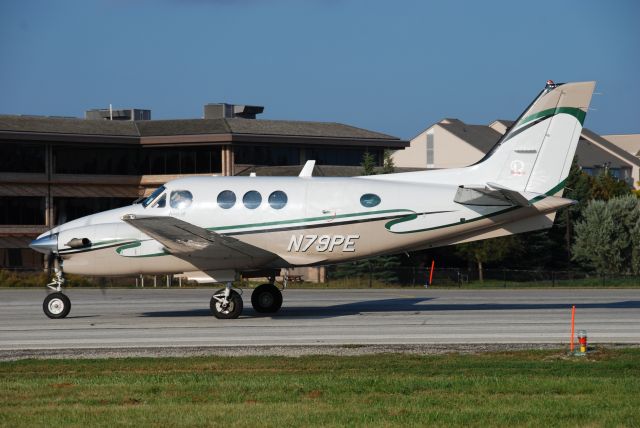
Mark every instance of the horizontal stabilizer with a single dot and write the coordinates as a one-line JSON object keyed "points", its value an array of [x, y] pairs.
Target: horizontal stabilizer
{"points": [[491, 194]]}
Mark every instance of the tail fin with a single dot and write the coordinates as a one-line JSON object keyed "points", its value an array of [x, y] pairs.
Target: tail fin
{"points": [[535, 154]]}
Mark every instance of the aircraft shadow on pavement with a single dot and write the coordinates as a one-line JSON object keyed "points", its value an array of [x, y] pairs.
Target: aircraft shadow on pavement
{"points": [[411, 305]]}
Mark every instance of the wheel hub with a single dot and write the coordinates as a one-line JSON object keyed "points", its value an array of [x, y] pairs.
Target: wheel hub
{"points": [[266, 300], [225, 308], [56, 306]]}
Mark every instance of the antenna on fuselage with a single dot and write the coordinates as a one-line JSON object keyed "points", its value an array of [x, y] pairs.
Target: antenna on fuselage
{"points": [[307, 170]]}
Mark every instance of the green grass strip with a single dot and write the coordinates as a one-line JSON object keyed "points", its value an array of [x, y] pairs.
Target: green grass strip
{"points": [[529, 388]]}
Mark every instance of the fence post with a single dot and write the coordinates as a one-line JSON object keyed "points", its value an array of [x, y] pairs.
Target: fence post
{"points": [[504, 277]]}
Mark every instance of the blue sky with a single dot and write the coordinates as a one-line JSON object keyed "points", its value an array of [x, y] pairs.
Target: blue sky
{"points": [[391, 66]]}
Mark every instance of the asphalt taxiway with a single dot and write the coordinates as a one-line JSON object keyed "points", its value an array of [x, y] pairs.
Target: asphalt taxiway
{"points": [[174, 318]]}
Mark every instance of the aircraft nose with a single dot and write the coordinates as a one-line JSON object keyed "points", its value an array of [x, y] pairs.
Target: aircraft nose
{"points": [[45, 244]]}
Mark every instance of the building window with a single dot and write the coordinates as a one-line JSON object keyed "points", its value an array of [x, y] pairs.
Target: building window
{"points": [[20, 157], [226, 199], [252, 199], [22, 210], [587, 170], [23, 258], [266, 155], [430, 153], [343, 157], [178, 160], [67, 209], [277, 200], [96, 161]]}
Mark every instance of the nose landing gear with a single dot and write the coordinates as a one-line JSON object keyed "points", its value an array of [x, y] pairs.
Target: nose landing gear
{"points": [[226, 303], [56, 305]]}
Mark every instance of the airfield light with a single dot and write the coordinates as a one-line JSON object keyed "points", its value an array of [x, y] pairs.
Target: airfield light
{"points": [[582, 340]]}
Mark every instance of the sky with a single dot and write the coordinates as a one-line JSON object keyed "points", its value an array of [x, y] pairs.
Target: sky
{"points": [[390, 66]]}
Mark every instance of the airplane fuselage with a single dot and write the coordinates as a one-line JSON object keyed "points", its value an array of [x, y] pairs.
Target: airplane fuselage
{"points": [[324, 220]]}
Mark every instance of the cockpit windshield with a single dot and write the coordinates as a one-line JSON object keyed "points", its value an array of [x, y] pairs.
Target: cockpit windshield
{"points": [[145, 202]]}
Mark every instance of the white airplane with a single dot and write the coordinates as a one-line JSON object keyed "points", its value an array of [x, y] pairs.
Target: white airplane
{"points": [[211, 229]]}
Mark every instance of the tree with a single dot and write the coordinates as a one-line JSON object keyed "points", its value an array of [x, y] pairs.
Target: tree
{"points": [[605, 187], [605, 239], [388, 167], [582, 188], [635, 248], [488, 250], [368, 164]]}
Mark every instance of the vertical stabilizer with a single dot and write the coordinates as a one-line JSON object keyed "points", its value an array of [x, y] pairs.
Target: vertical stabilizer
{"points": [[535, 155]]}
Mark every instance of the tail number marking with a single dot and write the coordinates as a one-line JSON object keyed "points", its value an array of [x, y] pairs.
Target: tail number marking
{"points": [[301, 243]]}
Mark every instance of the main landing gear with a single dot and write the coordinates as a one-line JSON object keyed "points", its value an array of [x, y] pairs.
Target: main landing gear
{"points": [[266, 299], [226, 303], [56, 305]]}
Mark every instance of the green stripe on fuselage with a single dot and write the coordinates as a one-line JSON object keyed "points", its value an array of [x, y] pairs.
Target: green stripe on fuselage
{"points": [[306, 220], [410, 217]]}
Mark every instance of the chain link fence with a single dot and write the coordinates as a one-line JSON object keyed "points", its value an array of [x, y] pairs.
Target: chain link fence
{"points": [[460, 277], [337, 277]]}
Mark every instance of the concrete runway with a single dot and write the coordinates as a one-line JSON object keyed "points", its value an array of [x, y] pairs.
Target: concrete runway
{"points": [[163, 318]]}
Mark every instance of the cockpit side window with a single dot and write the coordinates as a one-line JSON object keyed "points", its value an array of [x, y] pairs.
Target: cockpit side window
{"points": [[180, 199], [153, 196], [161, 203]]}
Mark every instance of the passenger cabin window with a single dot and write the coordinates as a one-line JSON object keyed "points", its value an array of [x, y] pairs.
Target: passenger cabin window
{"points": [[252, 199], [369, 200], [226, 199], [180, 199], [277, 200]]}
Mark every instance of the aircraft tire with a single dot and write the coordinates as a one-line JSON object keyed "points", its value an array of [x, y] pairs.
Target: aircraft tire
{"points": [[266, 299], [56, 305], [230, 312]]}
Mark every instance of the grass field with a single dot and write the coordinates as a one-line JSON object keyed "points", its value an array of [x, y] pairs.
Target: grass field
{"points": [[493, 389]]}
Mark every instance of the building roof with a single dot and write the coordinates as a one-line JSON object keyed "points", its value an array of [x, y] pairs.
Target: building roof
{"points": [[607, 145], [181, 127], [627, 142], [481, 137], [590, 155], [153, 128], [58, 125]]}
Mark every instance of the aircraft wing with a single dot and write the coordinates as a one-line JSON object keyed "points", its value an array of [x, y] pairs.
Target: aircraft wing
{"points": [[185, 239], [491, 194]]}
